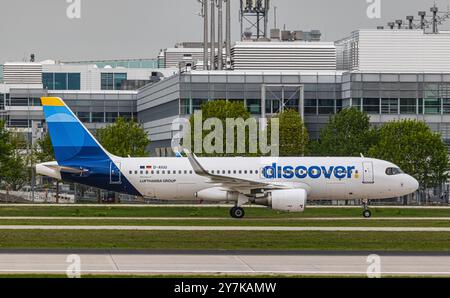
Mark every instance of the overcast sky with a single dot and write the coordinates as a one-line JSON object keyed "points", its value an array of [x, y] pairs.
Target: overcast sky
{"points": [[118, 29]]}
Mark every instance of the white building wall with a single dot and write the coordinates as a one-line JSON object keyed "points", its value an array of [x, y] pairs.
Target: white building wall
{"points": [[396, 51], [280, 56]]}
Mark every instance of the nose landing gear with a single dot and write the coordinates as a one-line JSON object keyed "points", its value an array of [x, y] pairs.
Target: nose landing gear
{"points": [[366, 212]]}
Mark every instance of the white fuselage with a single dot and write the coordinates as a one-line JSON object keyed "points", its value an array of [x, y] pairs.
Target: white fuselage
{"points": [[324, 178]]}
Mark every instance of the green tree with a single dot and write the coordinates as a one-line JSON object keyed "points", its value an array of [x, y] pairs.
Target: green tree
{"points": [[124, 138], [293, 137], [43, 149], [5, 145], [348, 133], [14, 165], [411, 145], [43, 152], [223, 110]]}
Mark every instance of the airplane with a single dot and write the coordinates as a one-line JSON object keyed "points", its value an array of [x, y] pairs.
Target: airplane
{"points": [[280, 183]]}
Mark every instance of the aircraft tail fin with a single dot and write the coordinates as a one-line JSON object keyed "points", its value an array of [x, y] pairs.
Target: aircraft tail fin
{"points": [[72, 142]]}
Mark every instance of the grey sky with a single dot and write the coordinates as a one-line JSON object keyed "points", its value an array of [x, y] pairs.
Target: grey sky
{"points": [[117, 29]]}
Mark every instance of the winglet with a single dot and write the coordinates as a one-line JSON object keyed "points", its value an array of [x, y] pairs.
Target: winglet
{"points": [[198, 169]]}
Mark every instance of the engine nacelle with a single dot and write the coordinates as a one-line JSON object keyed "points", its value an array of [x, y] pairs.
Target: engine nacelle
{"points": [[291, 200]]}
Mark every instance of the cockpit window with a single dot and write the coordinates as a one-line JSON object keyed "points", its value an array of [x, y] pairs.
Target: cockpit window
{"points": [[393, 171]]}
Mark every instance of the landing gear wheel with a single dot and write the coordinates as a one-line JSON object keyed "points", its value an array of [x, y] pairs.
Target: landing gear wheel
{"points": [[237, 212], [367, 213]]}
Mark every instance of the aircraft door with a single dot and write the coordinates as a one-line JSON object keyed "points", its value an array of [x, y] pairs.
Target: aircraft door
{"points": [[115, 176], [368, 172]]}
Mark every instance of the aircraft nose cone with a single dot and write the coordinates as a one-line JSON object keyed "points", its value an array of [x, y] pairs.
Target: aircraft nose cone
{"points": [[413, 184]]}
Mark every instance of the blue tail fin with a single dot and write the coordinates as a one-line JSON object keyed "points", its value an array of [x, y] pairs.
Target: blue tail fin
{"points": [[72, 142]]}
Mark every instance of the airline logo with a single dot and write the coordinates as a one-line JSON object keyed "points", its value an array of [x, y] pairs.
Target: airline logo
{"points": [[314, 172]]}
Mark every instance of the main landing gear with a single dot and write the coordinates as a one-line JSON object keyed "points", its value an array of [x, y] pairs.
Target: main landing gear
{"points": [[366, 212], [237, 212]]}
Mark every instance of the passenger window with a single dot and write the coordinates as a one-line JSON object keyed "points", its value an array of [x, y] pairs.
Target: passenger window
{"points": [[153, 172], [190, 172], [142, 172], [135, 172], [146, 172], [131, 172], [251, 171]]}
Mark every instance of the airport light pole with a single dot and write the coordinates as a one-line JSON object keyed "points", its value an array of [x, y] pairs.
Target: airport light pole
{"points": [[205, 34], [220, 34], [213, 34]]}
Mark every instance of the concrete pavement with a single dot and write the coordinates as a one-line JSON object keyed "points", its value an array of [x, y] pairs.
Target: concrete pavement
{"points": [[226, 262]]}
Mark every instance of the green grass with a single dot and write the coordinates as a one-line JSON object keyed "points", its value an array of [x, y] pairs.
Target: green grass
{"points": [[226, 240], [118, 211], [230, 222]]}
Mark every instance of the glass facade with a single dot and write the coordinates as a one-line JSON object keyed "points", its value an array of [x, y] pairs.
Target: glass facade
{"points": [[322, 95], [61, 81], [399, 94], [102, 108], [112, 81]]}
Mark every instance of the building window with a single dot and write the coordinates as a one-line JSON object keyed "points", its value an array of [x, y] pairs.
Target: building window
{"points": [[432, 105], [118, 79], [98, 117], [254, 106], [326, 106], [73, 81], [61, 81], [446, 105], [371, 105], [112, 81], [84, 116], [107, 81], [310, 106], [111, 117], [408, 106], [389, 105], [47, 81]]}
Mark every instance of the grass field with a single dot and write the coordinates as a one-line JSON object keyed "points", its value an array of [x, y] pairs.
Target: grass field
{"points": [[222, 240], [226, 240], [118, 211]]}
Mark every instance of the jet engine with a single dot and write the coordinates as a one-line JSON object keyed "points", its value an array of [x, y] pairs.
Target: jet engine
{"points": [[290, 200]]}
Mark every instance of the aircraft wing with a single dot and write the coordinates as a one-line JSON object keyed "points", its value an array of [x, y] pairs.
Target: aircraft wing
{"points": [[237, 184]]}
